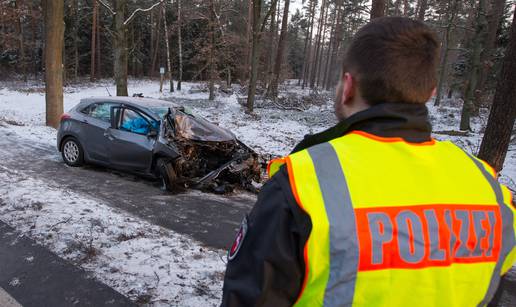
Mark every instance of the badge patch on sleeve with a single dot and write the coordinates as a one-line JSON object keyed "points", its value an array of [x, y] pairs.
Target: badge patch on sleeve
{"points": [[239, 239]]}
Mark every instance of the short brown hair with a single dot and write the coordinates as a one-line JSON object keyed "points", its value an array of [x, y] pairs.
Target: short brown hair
{"points": [[394, 59]]}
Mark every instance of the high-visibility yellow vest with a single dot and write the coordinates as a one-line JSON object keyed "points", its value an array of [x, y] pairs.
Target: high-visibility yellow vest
{"points": [[400, 224]]}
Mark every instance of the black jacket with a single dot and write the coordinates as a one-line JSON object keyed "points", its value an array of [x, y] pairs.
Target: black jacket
{"points": [[268, 269]]}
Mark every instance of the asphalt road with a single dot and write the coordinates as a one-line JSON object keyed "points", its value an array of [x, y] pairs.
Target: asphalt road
{"points": [[32, 276], [211, 219]]}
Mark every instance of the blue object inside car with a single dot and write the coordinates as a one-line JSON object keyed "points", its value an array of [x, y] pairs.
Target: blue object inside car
{"points": [[136, 125]]}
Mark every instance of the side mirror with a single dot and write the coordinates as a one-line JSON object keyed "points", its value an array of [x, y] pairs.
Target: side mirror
{"points": [[152, 133]]}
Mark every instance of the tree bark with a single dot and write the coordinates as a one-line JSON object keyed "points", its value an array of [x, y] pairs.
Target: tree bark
{"points": [[308, 52], [120, 48], [99, 65], [257, 7], [156, 47], [468, 108], [76, 11], [169, 66], [493, 21], [333, 71], [422, 5], [212, 52], [269, 70], [281, 51], [503, 111], [315, 61], [93, 40], [377, 9], [20, 34], [54, 41], [179, 45], [320, 56], [452, 11]]}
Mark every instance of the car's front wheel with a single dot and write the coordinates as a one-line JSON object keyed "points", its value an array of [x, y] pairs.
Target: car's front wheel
{"points": [[72, 152], [167, 174]]}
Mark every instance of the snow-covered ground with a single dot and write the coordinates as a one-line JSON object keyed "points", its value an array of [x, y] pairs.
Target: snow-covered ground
{"points": [[147, 263], [143, 261]]}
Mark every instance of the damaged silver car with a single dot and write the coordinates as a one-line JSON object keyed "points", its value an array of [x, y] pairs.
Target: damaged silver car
{"points": [[158, 139]]}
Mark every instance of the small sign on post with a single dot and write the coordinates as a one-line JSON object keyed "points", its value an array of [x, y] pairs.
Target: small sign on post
{"points": [[161, 77]]}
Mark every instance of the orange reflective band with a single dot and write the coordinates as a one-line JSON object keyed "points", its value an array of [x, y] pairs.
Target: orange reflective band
{"points": [[391, 139], [279, 161]]}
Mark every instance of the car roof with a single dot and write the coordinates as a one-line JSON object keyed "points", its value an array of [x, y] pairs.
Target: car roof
{"points": [[139, 102]]}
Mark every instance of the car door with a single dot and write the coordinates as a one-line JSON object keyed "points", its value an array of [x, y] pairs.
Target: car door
{"points": [[130, 143], [95, 123]]}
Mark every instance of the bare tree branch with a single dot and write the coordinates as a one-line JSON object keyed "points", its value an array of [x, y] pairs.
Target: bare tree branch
{"points": [[107, 7], [141, 10]]}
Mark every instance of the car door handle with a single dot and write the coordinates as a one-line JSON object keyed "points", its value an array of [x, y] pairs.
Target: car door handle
{"points": [[109, 136], [85, 121]]}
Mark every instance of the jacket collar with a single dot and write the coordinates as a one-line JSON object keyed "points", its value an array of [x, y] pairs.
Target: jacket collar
{"points": [[405, 120]]}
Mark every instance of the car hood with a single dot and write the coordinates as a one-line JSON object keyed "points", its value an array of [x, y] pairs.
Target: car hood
{"points": [[199, 129]]}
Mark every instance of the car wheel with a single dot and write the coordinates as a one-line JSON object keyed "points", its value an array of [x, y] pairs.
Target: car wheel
{"points": [[72, 152], [166, 173]]}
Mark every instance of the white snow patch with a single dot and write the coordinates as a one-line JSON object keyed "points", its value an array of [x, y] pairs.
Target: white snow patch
{"points": [[145, 262]]}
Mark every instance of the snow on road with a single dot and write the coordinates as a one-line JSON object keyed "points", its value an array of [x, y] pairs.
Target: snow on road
{"points": [[147, 263]]}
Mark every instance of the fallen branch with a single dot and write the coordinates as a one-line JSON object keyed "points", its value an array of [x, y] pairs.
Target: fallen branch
{"points": [[62, 222]]}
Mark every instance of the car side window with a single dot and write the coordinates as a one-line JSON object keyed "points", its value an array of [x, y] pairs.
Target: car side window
{"points": [[133, 122], [101, 111]]}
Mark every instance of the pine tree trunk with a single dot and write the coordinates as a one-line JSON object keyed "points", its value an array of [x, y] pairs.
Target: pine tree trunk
{"points": [[377, 9], [257, 7], [169, 66], [406, 7], [179, 45], [269, 70], [93, 40], [281, 51], [54, 41], [76, 40], [315, 61], [320, 56], [468, 108], [20, 33], [99, 65], [249, 36], [333, 71], [422, 5], [493, 21], [308, 50], [156, 46], [452, 11], [212, 52], [497, 136], [120, 48]]}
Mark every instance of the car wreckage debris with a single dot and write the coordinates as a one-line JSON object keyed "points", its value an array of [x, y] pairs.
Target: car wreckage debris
{"points": [[210, 158]]}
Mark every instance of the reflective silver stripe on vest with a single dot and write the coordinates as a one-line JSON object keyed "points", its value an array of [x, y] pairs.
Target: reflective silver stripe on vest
{"points": [[508, 241], [343, 237]]}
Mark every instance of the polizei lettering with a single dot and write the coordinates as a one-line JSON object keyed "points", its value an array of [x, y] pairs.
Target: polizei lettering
{"points": [[423, 236]]}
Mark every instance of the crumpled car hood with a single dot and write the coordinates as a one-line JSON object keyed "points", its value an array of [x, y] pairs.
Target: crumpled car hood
{"points": [[199, 129]]}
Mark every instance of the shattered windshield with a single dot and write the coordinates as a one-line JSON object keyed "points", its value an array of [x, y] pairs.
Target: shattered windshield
{"points": [[195, 128]]}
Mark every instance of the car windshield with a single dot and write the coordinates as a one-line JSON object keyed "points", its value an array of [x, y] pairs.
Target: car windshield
{"points": [[160, 111]]}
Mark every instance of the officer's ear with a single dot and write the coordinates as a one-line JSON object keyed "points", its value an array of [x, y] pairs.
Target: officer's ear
{"points": [[349, 88]]}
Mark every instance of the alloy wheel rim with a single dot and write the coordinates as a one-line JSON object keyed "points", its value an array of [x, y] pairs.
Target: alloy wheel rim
{"points": [[71, 151]]}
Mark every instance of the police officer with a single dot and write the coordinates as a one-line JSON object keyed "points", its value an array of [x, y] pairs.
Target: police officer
{"points": [[374, 211]]}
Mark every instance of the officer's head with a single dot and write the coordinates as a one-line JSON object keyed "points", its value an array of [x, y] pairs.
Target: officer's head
{"points": [[391, 59]]}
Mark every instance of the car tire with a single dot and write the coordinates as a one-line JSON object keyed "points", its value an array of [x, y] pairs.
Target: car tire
{"points": [[166, 174], [72, 152]]}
